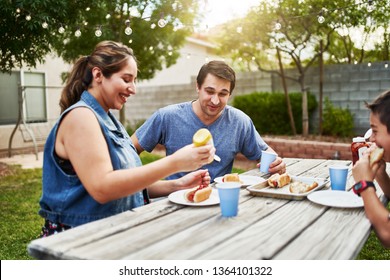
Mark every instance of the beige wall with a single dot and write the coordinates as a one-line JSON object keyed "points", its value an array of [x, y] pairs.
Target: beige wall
{"points": [[193, 55], [21, 140]]}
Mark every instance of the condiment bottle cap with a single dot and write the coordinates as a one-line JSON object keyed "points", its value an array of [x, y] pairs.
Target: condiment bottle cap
{"points": [[358, 139]]}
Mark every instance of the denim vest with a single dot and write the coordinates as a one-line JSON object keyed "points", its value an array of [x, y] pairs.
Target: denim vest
{"points": [[64, 198]]}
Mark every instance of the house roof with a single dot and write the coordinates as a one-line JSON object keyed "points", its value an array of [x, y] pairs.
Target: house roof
{"points": [[200, 42]]}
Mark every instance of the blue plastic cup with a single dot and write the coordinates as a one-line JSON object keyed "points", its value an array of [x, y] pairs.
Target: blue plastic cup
{"points": [[338, 177], [229, 193], [266, 159]]}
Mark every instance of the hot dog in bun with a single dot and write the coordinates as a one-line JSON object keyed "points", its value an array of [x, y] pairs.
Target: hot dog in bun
{"points": [[198, 194], [278, 181], [376, 155]]}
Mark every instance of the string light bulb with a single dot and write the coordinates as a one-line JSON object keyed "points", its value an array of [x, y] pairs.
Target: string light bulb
{"points": [[162, 22], [61, 30], [321, 18], [45, 25], [28, 17], [386, 65], [98, 31], [77, 33], [128, 29], [370, 6], [278, 25], [369, 64]]}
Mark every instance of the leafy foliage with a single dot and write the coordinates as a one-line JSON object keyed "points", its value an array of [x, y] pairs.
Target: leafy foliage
{"points": [[26, 42], [293, 26], [268, 111], [337, 121]]}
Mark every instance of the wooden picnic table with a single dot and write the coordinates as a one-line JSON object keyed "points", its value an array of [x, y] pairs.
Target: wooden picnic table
{"points": [[265, 228]]}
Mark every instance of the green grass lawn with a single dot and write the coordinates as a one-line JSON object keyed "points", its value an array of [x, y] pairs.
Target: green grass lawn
{"points": [[20, 223]]}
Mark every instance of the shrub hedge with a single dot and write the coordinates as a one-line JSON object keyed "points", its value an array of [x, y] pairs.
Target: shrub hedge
{"points": [[268, 111]]}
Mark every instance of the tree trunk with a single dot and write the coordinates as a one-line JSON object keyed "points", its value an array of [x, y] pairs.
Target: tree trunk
{"points": [[321, 88], [305, 115], [289, 109]]}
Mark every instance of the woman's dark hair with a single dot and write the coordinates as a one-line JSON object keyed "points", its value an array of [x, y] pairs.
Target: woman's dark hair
{"points": [[381, 107], [219, 69], [109, 56]]}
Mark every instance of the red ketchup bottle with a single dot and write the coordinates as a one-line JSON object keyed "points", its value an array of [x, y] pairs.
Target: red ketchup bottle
{"points": [[358, 146]]}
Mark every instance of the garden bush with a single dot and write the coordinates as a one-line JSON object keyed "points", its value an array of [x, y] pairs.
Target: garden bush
{"points": [[336, 121], [268, 111]]}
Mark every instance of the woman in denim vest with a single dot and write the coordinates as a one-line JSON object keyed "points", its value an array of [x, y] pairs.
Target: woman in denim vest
{"points": [[91, 169]]}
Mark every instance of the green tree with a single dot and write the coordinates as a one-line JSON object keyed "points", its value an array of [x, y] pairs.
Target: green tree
{"points": [[297, 28], [284, 25], [154, 29], [368, 20], [24, 40]]}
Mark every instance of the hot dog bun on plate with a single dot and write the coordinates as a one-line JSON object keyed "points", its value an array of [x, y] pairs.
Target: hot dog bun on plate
{"points": [[233, 177], [198, 194]]}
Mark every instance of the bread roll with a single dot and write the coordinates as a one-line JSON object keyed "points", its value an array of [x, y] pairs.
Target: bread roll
{"points": [[279, 181], [376, 155], [233, 177], [300, 187], [198, 194]]}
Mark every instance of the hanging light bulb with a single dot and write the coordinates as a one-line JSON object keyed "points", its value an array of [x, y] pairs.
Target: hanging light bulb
{"points": [[369, 64], [130, 41], [386, 65], [278, 25], [61, 30], [162, 22], [128, 29], [370, 6], [98, 31], [28, 17], [77, 33], [44, 25], [321, 18]]}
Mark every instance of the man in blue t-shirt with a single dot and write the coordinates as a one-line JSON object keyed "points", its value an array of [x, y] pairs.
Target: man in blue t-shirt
{"points": [[232, 130]]}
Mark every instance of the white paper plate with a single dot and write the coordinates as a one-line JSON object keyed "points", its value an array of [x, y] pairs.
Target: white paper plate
{"points": [[340, 199], [178, 197], [247, 180]]}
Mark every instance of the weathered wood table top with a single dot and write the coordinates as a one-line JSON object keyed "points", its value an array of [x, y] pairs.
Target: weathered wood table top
{"points": [[265, 228]]}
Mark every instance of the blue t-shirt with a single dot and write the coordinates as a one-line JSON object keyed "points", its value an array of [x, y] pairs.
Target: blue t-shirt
{"points": [[174, 126]]}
